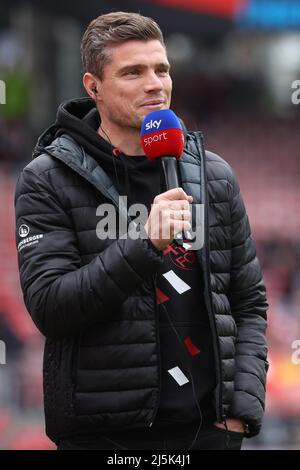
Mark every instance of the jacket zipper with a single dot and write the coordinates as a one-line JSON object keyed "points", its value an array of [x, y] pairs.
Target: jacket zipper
{"points": [[207, 290], [158, 352]]}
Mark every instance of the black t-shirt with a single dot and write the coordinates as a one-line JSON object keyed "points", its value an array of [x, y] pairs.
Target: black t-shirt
{"points": [[187, 372]]}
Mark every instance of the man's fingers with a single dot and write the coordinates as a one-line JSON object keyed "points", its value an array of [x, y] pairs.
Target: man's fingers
{"points": [[179, 205], [170, 214], [181, 226], [173, 194], [180, 214]]}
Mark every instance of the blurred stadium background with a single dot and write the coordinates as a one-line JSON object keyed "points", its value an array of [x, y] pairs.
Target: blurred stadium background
{"points": [[234, 63]]}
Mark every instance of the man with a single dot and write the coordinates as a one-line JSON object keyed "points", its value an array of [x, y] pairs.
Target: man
{"points": [[148, 345]]}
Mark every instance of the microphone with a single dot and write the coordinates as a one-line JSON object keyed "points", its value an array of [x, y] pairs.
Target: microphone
{"points": [[162, 138]]}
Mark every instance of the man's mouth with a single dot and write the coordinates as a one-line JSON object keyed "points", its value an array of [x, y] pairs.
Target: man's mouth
{"points": [[153, 103]]}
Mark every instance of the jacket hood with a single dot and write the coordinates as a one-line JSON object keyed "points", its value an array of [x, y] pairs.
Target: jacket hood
{"points": [[79, 119]]}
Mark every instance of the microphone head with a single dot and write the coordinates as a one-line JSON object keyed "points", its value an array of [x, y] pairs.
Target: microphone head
{"points": [[162, 135]]}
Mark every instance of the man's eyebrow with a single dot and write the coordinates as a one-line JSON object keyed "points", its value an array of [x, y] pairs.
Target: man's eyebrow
{"points": [[164, 65]]}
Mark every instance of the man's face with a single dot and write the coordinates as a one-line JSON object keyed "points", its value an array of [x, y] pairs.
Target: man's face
{"points": [[135, 81]]}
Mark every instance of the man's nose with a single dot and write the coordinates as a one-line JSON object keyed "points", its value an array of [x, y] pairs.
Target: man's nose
{"points": [[153, 82]]}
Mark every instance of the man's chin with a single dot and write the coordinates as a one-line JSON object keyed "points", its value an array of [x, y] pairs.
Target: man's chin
{"points": [[141, 115], [149, 109]]}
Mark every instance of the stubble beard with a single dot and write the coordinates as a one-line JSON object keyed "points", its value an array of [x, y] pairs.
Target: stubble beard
{"points": [[134, 122]]}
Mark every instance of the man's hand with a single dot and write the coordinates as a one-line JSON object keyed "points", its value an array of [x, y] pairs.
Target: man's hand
{"points": [[235, 425], [169, 215]]}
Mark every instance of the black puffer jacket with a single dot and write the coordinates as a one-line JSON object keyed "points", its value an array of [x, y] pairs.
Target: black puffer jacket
{"points": [[94, 300]]}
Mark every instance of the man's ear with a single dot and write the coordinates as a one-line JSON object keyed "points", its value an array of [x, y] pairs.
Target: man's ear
{"points": [[91, 84]]}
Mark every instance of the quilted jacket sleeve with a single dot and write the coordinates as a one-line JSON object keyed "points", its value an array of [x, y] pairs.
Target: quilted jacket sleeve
{"points": [[247, 297], [61, 295]]}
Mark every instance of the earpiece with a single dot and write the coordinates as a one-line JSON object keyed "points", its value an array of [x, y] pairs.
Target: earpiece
{"points": [[94, 90]]}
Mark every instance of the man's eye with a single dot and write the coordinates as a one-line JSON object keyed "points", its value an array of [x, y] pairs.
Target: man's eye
{"points": [[132, 72], [163, 72]]}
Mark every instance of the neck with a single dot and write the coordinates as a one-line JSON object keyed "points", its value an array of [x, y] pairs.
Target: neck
{"points": [[127, 141]]}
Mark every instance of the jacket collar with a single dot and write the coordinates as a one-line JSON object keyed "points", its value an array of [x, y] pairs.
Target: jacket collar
{"points": [[68, 151]]}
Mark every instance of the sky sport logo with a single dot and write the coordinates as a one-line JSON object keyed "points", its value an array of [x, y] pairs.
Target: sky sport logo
{"points": [[127, 224], [155, 138], [2, 92], [153, 124]]}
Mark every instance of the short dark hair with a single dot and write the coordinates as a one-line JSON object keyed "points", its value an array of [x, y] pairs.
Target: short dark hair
{"points": [[114, 28]]}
